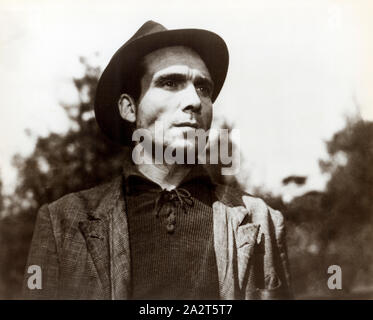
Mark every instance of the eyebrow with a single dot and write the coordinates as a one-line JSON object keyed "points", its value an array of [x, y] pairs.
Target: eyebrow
{"points": [[180, 77]]}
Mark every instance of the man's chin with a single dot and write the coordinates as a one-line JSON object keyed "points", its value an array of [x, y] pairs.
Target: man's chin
{"points": [[181, 145], [180, 150]]}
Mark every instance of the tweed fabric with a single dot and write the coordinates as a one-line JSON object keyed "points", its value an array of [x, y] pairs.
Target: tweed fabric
{"points": [[81, 244]]}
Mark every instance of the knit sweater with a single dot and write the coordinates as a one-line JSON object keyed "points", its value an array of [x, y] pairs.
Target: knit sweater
{"points": [[171, 240]]}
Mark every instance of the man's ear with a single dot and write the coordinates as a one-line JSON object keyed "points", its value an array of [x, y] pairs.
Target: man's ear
{"points": [[127, 107]]}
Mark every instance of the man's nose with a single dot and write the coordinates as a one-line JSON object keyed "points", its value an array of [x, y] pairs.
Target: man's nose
{"points": [[191, 99]]}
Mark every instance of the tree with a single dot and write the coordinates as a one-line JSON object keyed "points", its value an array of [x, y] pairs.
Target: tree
{"points": [[1, 199], [65, 163], [351, 170], [335, 226], [348, 226]]}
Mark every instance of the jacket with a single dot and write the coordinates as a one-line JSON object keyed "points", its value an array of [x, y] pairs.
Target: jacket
{"points": [[81, 243]]}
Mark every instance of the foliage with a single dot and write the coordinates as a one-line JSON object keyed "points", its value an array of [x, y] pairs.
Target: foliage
{"points": [[1, 198], [335, 226], [349, 201], [65, 163]]}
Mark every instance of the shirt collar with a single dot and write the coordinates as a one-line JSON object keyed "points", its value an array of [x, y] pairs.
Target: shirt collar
{"points": [[131, 175]]}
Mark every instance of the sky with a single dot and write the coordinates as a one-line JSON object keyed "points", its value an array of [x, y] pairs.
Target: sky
{"points": [[297, 69]]}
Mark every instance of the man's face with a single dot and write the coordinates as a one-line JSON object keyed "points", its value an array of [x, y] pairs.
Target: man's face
{"points": [[176, 90]]}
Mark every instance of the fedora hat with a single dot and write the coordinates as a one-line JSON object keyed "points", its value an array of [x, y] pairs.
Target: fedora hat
{"points": [[117, 77]]}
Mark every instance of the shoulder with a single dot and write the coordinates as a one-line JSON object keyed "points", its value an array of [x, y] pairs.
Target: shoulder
{"points": [[85, 199], [260, 212], [233, 197], [78, 205]]}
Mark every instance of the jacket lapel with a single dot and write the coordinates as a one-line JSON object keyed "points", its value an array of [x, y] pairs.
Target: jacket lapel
{"points": [[97, 230], [247, 234], [235, 237], [120, 263], [225, 252], [94, 231]]}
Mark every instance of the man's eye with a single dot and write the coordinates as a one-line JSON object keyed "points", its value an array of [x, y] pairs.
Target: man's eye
{"points": [[204, 90], [170, 83]]}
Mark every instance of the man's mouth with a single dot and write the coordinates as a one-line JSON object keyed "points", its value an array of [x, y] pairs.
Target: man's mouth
{"points": [[187, 124]]}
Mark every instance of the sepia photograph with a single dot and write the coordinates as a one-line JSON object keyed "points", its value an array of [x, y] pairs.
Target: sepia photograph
{"points": [[186, 150]]}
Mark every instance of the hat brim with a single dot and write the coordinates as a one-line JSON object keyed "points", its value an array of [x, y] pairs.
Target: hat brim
{"points": [[211, 48]]}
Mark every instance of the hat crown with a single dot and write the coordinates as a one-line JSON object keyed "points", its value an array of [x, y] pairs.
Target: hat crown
{"points": [[147, 28]]}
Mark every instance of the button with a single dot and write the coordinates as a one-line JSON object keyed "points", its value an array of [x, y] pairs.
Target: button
{"points": [[170, 228], [171, 218]]}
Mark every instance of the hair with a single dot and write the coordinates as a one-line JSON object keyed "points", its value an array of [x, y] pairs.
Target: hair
{"points": [[133, 81], [132, 87]]}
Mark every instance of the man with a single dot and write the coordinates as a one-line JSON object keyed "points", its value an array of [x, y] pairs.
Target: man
{"points": [[162, 230]]}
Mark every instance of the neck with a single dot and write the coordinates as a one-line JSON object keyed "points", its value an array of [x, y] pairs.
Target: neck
{"points": [[168, 176]]}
